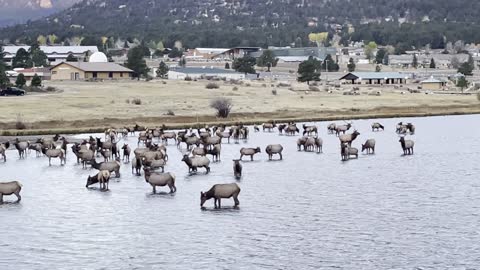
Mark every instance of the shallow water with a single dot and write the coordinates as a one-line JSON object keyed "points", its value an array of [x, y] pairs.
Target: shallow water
{"points": [[309, 211]]}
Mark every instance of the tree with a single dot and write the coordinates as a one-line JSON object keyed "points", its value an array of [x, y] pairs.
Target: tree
{"points": [[4, 81], [182, 62], [351, 65], [37, 57], [318, 38], [36, 81], [21, 59], [71, 58], [329, 64], [369, 49], [162, 70], [42, 40], [267, 59], [415, 61], [462, 83], [175, 53], [125, 45], [380, 56], [309, 70], [93, 41], [20, 82], [227, 65], [455, 62], [432, 63], [466, 69], [386, 59], [137, 63], [378, 68], [245, 65]]}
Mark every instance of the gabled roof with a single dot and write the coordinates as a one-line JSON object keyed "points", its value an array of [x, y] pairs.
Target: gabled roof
{"points": [[373, 75], [96, 67]]}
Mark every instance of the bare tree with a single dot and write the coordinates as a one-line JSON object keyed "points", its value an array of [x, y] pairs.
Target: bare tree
{"points": [[222, 105]]}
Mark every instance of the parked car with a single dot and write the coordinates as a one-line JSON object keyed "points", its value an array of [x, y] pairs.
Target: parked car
{"points": [[12, 91]]}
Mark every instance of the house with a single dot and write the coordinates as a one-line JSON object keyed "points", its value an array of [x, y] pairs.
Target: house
{"points": [[89, 70], [55, 54], [375, 78], [43, 73], [433, 84], [236, 52], [441, 60], [180, 73]]}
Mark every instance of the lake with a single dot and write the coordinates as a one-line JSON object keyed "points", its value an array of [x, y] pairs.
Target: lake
{"points": [[309, 211]]}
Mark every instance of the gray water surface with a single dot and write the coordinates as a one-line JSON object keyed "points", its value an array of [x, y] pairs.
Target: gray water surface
{"points": [[309, 211]]}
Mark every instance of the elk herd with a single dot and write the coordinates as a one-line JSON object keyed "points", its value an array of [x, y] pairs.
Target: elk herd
{"points": [[150, 155]]}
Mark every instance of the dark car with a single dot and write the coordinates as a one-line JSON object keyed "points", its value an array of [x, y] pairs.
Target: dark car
{"points": [[12, 91]]}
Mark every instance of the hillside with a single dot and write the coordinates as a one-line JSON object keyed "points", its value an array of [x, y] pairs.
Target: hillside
{"points": [[20, 11], [227, 23]]}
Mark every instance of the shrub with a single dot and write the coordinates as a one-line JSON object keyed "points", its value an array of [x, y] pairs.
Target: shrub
{"points": [[127, 101], [188, 79], [313, 88], [212, 85], [248, 85], [235, 88], [264, 85], [19, 124], [171, 113], [283, 85], [164, 82], [274, 92], [51, 89], [137, 101], [478, 96], [223, 106], [112, 101]]}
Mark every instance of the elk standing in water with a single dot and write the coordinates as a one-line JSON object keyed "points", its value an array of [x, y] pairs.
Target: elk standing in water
{"points": [[3, 149], [126, 153], [377, 126], [221, 191], [160, 180], [195, 162], [407, 146], [369, 146], [349, 138], [249, 152], [273, 149], [10, 188], [347, 151], [21, 147], [237, 168], [102, 177], [342, 128]]}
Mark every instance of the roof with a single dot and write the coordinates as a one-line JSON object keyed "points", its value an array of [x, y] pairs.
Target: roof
{"points": [[96, 67], [432, 80], [202, 70], [53, 49], [211, 50], [320, 53], [373, 75], [294, 58]]}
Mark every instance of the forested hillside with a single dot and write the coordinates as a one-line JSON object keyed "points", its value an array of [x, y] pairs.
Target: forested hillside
{"points": [[228, 23]]}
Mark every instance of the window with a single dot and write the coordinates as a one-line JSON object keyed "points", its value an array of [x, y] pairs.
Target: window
{"points": [[121, 74], [54, 72]]}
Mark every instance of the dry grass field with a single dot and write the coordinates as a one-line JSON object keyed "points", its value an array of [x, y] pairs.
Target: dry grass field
{"points": [[110, 104]]}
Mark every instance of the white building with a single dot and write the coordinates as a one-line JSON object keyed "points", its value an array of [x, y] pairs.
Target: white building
{"points": [[179, 73], [55, 54]]}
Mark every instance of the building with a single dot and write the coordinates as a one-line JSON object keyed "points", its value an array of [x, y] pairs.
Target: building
{"points": [[236, 52], [299, 54], [55, 54], [89, 70], [375, 78], [28, 73], [204, 53], [441, 60], [433, 84], [179, 73]]}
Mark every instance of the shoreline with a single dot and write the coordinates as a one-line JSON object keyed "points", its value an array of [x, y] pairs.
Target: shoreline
{"points": [[181, 122]]}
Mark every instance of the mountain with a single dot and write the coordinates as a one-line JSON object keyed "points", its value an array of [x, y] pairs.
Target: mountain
{"points": [[20, 11], [228, 23]]}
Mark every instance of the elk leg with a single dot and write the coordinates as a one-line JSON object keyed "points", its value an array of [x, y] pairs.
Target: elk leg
{"points": [[281, 157], [215, 203], [1, 198], [154, 190], [235, 198], [219, 203]]}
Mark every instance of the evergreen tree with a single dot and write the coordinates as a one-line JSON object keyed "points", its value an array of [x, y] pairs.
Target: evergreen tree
{"points": [[137, 63], [380, 56], [175, 53], [71, 58], [309, 70], [329, 64], [432, 63], [462, 83], [21, 81], [466, 69], [162, 70], [267, 59], [4, 81], [369, 49], [36, 81], [182, 62], [227, 65], [37, 57], [21, 59], [386, 59], [415, 61], [245, 65], [378, 68], [351, 65]]}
